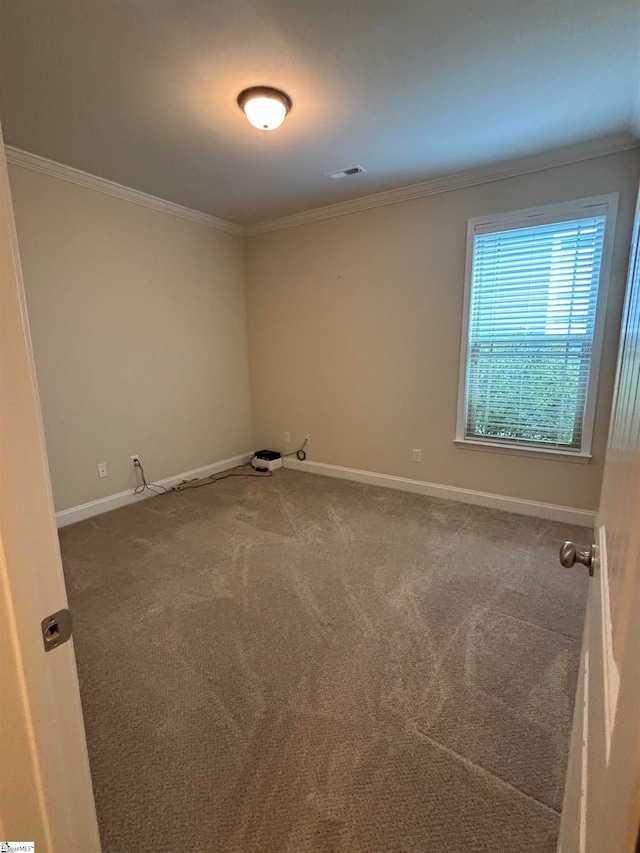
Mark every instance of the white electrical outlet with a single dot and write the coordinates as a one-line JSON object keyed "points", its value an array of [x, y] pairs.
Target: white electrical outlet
{"points": [[102, 470], [417, 455], [135, 459], [307, 437], [287, 438]]}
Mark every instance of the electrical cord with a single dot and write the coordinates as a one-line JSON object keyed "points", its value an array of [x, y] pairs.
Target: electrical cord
{"points": [[144, 486], [198, 483], [208, 481], [300, 452]]}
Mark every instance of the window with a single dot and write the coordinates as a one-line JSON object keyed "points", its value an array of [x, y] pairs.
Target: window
{"points": [[534, 310]]}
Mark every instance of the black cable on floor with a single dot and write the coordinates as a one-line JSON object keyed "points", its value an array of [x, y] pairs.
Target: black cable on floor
{"points": [[208, 481]]}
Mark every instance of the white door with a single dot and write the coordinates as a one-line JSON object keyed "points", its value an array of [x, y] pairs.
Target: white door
{"points": [[45, 785], [601, 810]]}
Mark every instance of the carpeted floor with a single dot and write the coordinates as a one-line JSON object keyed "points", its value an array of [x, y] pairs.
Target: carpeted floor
{"points": [[303, 664]]}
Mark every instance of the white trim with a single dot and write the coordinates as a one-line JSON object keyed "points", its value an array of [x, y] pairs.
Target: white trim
{"points": [[613, 144], [623, 343], [534, 452], [546, 214], [610, 672], [460, 180], [93, 182], [584, 752], [88, 510], [536, 509], [607, 205]]}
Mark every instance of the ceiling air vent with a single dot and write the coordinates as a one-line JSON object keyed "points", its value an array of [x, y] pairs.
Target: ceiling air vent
{"points": [[343, 173]]}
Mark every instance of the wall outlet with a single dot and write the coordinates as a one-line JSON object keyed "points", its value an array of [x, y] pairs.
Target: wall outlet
{"points": [[287, 438], [417, 455], [135, 459], [102, 470], [307, 437]]}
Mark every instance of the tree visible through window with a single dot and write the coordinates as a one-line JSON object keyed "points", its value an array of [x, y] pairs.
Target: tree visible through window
{"points": [[532, 316]]}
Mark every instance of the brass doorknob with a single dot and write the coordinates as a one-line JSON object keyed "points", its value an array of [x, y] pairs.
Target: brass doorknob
{"points": [[570, 555]]}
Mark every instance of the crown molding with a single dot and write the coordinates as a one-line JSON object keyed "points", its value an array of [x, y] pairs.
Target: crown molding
{"points": [[498, 171], [460, 180], [83, 179]]}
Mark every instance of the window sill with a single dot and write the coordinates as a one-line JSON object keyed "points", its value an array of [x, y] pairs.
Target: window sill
{"points": [[533, 452]]}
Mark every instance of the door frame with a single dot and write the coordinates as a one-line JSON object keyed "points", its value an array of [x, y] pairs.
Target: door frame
{"points": [[601, 807], [46, 796]]}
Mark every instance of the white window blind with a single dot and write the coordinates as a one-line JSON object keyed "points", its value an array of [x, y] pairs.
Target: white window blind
{"points": [[532, 317]]}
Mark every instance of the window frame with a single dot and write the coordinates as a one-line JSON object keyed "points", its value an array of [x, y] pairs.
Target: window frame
{"points": [[544, 214]]}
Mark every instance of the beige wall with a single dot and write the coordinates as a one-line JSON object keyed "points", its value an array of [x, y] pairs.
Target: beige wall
{"points": [[354, 330], [139, 331]]}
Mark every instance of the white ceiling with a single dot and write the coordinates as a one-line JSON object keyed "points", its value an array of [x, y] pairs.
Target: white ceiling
{"points": [[143, 92]]}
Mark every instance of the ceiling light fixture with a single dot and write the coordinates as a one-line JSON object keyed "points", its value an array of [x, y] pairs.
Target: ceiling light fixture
{"points": [[264, 107]]}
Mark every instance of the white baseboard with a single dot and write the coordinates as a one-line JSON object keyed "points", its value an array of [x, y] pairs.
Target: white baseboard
{"points": [[79, 513], [536, 509]]}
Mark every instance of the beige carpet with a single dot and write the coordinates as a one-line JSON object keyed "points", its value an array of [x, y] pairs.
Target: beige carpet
{"points": [[304, 664]]}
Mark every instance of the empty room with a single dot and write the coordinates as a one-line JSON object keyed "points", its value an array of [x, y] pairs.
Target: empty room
{"points": [[320, 426]]}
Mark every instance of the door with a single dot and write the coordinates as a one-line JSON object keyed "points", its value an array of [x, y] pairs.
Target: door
{"points": [[45, 786], [601, 809]]}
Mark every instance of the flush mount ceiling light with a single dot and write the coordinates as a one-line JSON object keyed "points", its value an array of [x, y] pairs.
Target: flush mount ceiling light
{"points": [[264, 107]]}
